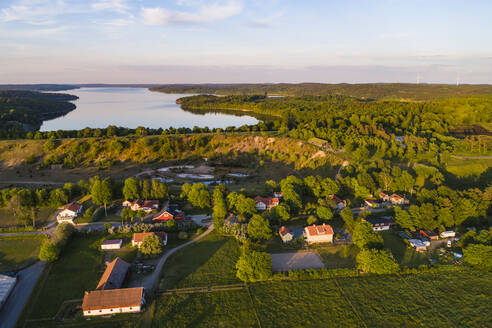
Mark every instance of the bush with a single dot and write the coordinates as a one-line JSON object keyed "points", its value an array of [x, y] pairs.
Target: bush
{"points": [[376, 261], [151, 245], [254, 266], [49, 252], [183, 235]]}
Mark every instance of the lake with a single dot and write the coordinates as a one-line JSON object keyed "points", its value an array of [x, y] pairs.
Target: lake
{"points": [[133, 107]]}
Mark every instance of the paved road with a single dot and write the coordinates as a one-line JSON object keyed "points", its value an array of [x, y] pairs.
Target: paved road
{"points": [[26, 280], [150, 281]]}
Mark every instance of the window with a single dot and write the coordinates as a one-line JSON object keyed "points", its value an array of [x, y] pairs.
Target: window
{"points": [[88, 312]]}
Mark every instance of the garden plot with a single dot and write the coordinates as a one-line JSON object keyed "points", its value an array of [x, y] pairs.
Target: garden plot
{"points": [[296, 261]]}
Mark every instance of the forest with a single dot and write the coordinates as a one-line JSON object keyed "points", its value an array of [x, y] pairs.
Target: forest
{"points": [[375, 91], [26, 110]]}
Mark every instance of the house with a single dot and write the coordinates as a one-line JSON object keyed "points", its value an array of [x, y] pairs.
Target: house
{"points": [[384, 197], [114, 275], [112, 301], [339, 203], [318, 234], [370, 203], [127, 203], [381, 223], [69, 212], [170, 214], [318, 142], [145, 205], [429, 234], [7, 284], [285, 234], [448, 234], [398, 200], [418, 245], [278, 194], [112, 244], [139, 237], [265, 203]]}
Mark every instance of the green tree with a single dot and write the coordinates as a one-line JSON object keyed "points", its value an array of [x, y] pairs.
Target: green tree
{"points": [[58, 197], [365, 237], [199, 196], [254, 266], [324, 213], [151, 245], [49, 252], [403, 219], [131, 189], [20, 211], [280, 212], [127, 214], [348, 219], [101, 193], [479, 256], [376, 261], [259, 228]]}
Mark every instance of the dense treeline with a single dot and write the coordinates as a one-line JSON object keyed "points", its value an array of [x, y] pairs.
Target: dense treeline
{"points": [[395, 91], [358, 124], [26, 110], [38, 87]]}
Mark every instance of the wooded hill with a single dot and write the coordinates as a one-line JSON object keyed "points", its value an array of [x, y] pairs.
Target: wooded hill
{"points": [[377, 91]]}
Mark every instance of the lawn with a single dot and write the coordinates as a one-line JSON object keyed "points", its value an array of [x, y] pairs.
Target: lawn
{"points": [[404, 255], [337, 256], [468, 167], [210, 261], [16, 254], [78, 269], [7, 219]]}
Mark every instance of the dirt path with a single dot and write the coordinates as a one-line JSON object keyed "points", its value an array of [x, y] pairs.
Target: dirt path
{"points": [[150, 281]]}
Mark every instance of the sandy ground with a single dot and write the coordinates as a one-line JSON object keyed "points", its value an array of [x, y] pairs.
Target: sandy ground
{"points": [[296, 261]]}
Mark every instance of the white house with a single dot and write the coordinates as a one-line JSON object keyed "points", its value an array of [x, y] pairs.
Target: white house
{"points": [[339, 203], [266, 203], [318, 234], [285, 234], [112, 244], [448, 234], [69, 212], [398, 200], [113, 301], [381, 223]]}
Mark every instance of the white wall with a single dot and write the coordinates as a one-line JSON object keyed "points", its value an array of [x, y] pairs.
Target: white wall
{"points": [[112, 311]]}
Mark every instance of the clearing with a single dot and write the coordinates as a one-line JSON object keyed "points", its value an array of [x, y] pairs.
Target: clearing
{"points": [[296, 261]]}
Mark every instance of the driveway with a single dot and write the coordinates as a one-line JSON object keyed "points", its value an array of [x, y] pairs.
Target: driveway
{"points": [[150, 281], [26, 280]]}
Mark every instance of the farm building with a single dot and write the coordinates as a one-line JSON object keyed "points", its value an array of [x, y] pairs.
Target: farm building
{"points": [[139, 237], [448, 234], [318, 234], [113, 301], [265, 203], [114, 275], [112, 244], [398, 200], [418, 245], [285, 234], [318, 142], [69, 213], [7, 284], [429, 234], [170, 214]]}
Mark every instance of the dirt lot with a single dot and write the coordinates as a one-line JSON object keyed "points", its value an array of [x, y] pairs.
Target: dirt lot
{"points": [[296, 261]]}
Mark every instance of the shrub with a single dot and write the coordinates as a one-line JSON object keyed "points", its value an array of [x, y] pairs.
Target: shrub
{"points": [[183, 235], [254, 266], [49, 252], [151, 245]]}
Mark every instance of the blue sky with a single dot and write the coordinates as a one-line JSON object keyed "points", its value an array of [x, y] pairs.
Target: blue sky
{"points": [[196, 41]]}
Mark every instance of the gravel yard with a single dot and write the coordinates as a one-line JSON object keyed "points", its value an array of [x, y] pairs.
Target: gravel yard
{"points": [[296, 261]]}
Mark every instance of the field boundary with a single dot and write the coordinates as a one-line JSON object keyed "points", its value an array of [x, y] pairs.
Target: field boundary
{"points": [[254, 307], [350, 302]]}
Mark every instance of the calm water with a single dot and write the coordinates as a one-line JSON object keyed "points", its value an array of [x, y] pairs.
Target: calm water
{"points": [[132, 107]]}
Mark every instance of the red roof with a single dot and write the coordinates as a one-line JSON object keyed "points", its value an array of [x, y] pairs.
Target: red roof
{"points": [[382, 195], [396, 197], [324, 229], [113, 298], [337, 199], [74, 206], [284, 231], [268, 201], [114, 275], [139, 236]]}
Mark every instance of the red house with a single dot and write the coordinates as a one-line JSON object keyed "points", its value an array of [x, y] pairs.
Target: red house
{"points": [[170, 214]]}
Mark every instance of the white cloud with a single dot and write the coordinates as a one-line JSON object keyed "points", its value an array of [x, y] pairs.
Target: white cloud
{"points": [[264, 22], [203, 13], [38, 12], [120, 6]]}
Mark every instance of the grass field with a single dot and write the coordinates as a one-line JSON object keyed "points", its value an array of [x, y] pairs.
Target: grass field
{"points": [[455, 298], [467, 167], [16, 254], [337, 256], [210, 261], [78, 270], [404, 255], [7, 219]]}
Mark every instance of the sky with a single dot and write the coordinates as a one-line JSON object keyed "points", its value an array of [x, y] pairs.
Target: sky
{"points": [[245, 41]]}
